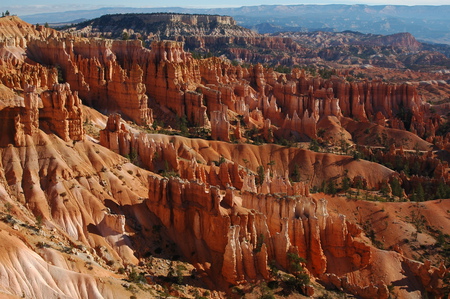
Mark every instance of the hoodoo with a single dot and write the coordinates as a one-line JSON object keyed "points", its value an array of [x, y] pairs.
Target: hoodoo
{"points": [[134, 171]]}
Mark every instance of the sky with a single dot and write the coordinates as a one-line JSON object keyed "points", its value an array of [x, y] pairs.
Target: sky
{"points": [[29, 7]]}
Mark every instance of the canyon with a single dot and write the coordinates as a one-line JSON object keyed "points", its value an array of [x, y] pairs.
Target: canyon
{"points": [[143, 171], [371, 55], [221, 35], [426, 22]]}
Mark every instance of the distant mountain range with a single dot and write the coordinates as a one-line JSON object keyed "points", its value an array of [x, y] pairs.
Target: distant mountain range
{"points": [[426, 23]]}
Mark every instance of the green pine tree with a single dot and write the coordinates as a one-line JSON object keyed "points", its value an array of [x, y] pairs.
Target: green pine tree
{"points": [[260, 175]]}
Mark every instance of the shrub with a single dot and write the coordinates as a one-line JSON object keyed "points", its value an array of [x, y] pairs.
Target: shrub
{"points": [[314, 145], [295, 176], [220, 161], [42, 245], [259, 243], [260, 175], [136, 277]]}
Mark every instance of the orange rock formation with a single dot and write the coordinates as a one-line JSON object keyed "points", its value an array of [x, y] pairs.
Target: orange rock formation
{"points": [[227, 217]]}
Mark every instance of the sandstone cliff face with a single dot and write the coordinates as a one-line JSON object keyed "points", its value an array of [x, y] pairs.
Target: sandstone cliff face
{"points": [[62, 112], [227, 217], [151, 154], [297, 224], [17, 33], [57, 110], [220, 35], [200, 33], [123, 76], [104, 84], [161, 25], [26, 122], [222, 232], [197, 159], [218, 228], [68, 189], [220, 127], [19, 262]]}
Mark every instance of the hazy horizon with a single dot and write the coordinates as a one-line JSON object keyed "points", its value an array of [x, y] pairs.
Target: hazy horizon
{"points": [[31, 7]]}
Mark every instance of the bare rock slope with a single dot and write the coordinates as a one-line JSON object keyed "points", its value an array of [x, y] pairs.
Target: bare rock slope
{"points": [[84, 209]]}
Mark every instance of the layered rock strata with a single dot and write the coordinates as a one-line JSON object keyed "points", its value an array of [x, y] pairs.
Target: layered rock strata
{"points": [[57, 110], [233, 236], [123, 76], [230, 220]]}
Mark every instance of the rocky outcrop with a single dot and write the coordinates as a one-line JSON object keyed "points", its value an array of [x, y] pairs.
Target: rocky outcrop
{"points": [[161, 25], [379, 290], [103, 83], [400, 40], [200, 33], [62, 112], [61, 194], [169, 72], [220, 127], [414, 166], [57, 111], [17, 33], [249, 230], [230, 208], [138, 147], [123, 76], [430, 277], [26, 122]]}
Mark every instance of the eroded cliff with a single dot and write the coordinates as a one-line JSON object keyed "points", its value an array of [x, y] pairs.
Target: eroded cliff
{"points": [[81, 211]]}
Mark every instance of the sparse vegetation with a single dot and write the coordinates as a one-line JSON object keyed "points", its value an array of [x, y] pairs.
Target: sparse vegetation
{"points": [[396, 188], [259, 244], [183, 125], [368, 229], [136, 277], [283, 69], [220, 161], [168, 172], [314, 145], [39, 221], [296, 176], [346, 183], [133, 157], [41, 244], [253, 96], [260, 175], [8, 207], [300, 279], [417, 219]]}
